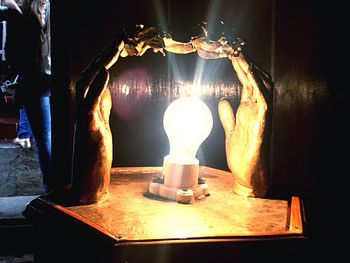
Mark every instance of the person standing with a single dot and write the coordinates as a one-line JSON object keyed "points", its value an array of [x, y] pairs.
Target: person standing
{"points": [[28, 51]]}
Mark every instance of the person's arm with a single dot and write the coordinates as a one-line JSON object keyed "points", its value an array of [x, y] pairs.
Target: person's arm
{"points": [[9, 9], [11, 4]]}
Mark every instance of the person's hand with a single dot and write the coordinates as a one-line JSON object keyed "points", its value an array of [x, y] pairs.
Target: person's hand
{"points": [[93, 153], [11, 4], [248, 131]]}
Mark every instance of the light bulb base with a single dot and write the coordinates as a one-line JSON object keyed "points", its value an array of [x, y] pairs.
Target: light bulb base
{"points": [[181, 174], [180, 181]]}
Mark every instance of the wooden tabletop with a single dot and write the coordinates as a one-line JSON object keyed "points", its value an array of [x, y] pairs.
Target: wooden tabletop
{"points": [[132, 214]]}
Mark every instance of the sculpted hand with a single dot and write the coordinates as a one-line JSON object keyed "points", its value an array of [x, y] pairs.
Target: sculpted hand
{"points": [[248, 131], [93, 139], [93, 153]]}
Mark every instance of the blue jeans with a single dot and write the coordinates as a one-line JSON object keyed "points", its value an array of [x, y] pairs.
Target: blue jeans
{"points": [[39, 116], [24, 131]]}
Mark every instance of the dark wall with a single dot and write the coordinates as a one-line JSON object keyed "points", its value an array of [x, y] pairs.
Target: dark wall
{"points": [[301, 100], [312, 102], [311, 98]]}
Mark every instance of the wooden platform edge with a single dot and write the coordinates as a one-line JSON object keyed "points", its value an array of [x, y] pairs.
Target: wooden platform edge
{"points": [[296, 222]]}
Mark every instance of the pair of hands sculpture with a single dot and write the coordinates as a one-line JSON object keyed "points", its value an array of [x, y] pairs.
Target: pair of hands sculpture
{"points": [[247, 132]]}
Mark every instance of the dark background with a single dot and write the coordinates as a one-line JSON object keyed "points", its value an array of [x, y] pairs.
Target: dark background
{"points": [[301, 43]]}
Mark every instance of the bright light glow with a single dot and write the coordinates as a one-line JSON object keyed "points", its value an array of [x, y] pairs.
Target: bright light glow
{"points": [[187, 123]]}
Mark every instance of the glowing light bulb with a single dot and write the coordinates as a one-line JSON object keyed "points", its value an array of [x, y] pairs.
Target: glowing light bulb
{"points": [[187, 123]]}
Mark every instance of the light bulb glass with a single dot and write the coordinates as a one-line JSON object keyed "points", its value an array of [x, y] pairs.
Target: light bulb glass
{"points": [[187, 122]]}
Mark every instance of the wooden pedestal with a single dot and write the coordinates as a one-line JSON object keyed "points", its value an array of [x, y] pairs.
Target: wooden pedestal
{"points": [[133, 225]]}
